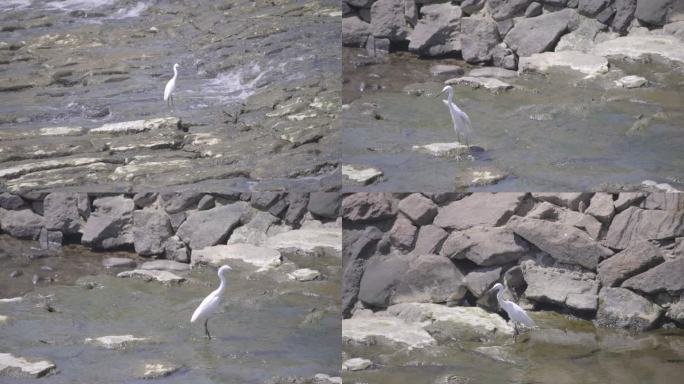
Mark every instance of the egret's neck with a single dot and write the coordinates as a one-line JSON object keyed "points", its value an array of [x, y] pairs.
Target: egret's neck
{"points": [[450, 96], [223, 285], [175, 72], [499, 295]]}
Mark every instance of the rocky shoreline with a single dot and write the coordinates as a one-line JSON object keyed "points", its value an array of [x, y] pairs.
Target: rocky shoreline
{"points": [[616, 259]]}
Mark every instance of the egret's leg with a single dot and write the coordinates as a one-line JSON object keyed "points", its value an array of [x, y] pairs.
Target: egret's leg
{"points": [[515, 332], [173, 105], [206, 328]]}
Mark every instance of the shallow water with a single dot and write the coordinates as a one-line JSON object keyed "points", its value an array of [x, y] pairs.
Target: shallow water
{"points": [[269, 327], [551, 132], [561, 351]]}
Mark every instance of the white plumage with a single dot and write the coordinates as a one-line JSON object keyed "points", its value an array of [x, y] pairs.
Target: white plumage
{"points": [[212, 302], [460, 119], [515, 313], [171, 86]]}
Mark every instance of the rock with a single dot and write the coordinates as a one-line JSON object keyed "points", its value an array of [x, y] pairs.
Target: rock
{"points": [[621, 308], [407, 278], [138, 126], [635, 47], [304, 274], [163, 277], [625, 199], [569, 200], [676, 29], [606, 15], [11, 202], [624, 14], [355, 31], [265, 200], [308, 241], [11, 365], [564, 243], [297, 207], [484, 246], [450, 150], [496, 353], [356, 364], [418, 208], [493, 72], [476, 82], [540, 34], [109, 227], [174, 202], [118, 262], [548, 211], [256, 231], [581, 39], [145, 199], [460, 323], [361, 174], [635, 224], [206, 202], [358, 246], [151, 228], [437, 31], [175, 249], [631, 261], [403, 233], [165, 265], [486, 209], [23, 224], [206, 228], [653, 12], [478, 281], [601, 207], [388, 21], [158, 370], [631, 82], [676, 312], [262, 257], [575, 290], [503, 56], [367, 207], [50, 239], [325, 204], [665, 277], [62, 131], [478, 38], [429, 241], [472, 6], [586, 63], [591, 8], [446, 70], [116, 342], [534, 9], [367, 330], [505, 9], [37, 166], [664, 201]]}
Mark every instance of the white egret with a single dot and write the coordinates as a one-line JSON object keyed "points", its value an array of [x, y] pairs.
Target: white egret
{"points": [[171, 86], [515, 313], [460, 118], [211, 303]]}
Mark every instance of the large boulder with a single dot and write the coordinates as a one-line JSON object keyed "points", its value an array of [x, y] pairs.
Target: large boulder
{"points": [[218, 255], [359, 245], [622, 308], [624, 14], [21, 367], [355, 31], [429, 241], [418, 208], [479, 280], [388, 20], [635, 224], [487, 209], [395, 279], [174, 202], [581, 39], [367, 207], [564, 243], [541, 33], [478, 38], [257, 230], [631, 261], [601, 207], [60, 210], [325, 204], [309, 241], [437, 31], [206, 228], [403, 233], [22, 223], [653, 12], [572, 289], [484, 246], [548, 211], [505, 9], [151, 229], [669, 47], [665, 277], [10, 201], [571, 200], [371, 329], [110, 225], [591, 8]]}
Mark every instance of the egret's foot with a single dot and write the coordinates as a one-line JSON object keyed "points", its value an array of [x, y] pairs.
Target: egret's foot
{"points": [[206, 329]]}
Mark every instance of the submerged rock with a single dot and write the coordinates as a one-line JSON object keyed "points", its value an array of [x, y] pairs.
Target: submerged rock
{"points": [[158, 370], [115, 342], [450, 150], [489, 83], [361, 174], [165, 265], [356, 364], [304, 274], [149, 275], [631, 82], [11, 365], [118, 262]]}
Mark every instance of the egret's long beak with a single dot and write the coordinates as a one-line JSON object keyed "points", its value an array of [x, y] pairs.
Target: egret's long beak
{"points": [[439, 94]]}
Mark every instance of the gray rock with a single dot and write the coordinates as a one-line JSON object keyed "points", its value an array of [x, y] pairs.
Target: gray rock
{"points": [[564, 243], [50, 239], [624, 14], [411, 12], [625, 199], [676, 312], [601, 207], [308, 241], [83, 204], [265, 200], [151, 228], [676, 29], [478, 38], [437, 31], [11, 202], [304, 274], [548, 211], [606, 16], [358, 246], [356, 364], [653, 12], [570, 200], [325, 204], [174, 202], [367, 207], [116, 342], [177, 219], [403, 233], [365, 330], [493, 72], [218, 255], [429, 241], [387, 20], [489, 83], [534, 9], [575, 290], [541, 33], [478, 281], [165, 265], [175, 249], [206, 202], [109, 227], [206, 228], [21, 367], [591, 8], [418, 208], [505, 9], [355, 31], [255, 231], [664, 201], [298, 202], [665, 277], [504, 26], [503, 57], [622, 308], [405, 278], [484, 246], [581, 39], [23, 224], [635, 224], [145, 199], [488, 209], [446, 70], [118, 262], [472, 6], [631, 261]]}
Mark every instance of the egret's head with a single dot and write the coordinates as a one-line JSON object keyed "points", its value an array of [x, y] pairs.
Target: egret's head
{"points": [[175, 66], [447, 88], [224, 269], [497, 287]]}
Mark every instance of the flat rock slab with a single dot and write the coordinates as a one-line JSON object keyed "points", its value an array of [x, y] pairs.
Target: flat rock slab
{"points": [[449, 150], [262, 257], [631, 261], [361, 174], [365, 330], [164, 277], [572, 289], [631, 82], [487, 209], [11, 365], [668, 47], [484, 246], [304, 274], [622, 308], [586, 63], [489, 83], [116, 342], [665, 277], [137, 126], [158, 370], [310, 241], [634, 225], [356, 364], [118, 262], [165, 265]]}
